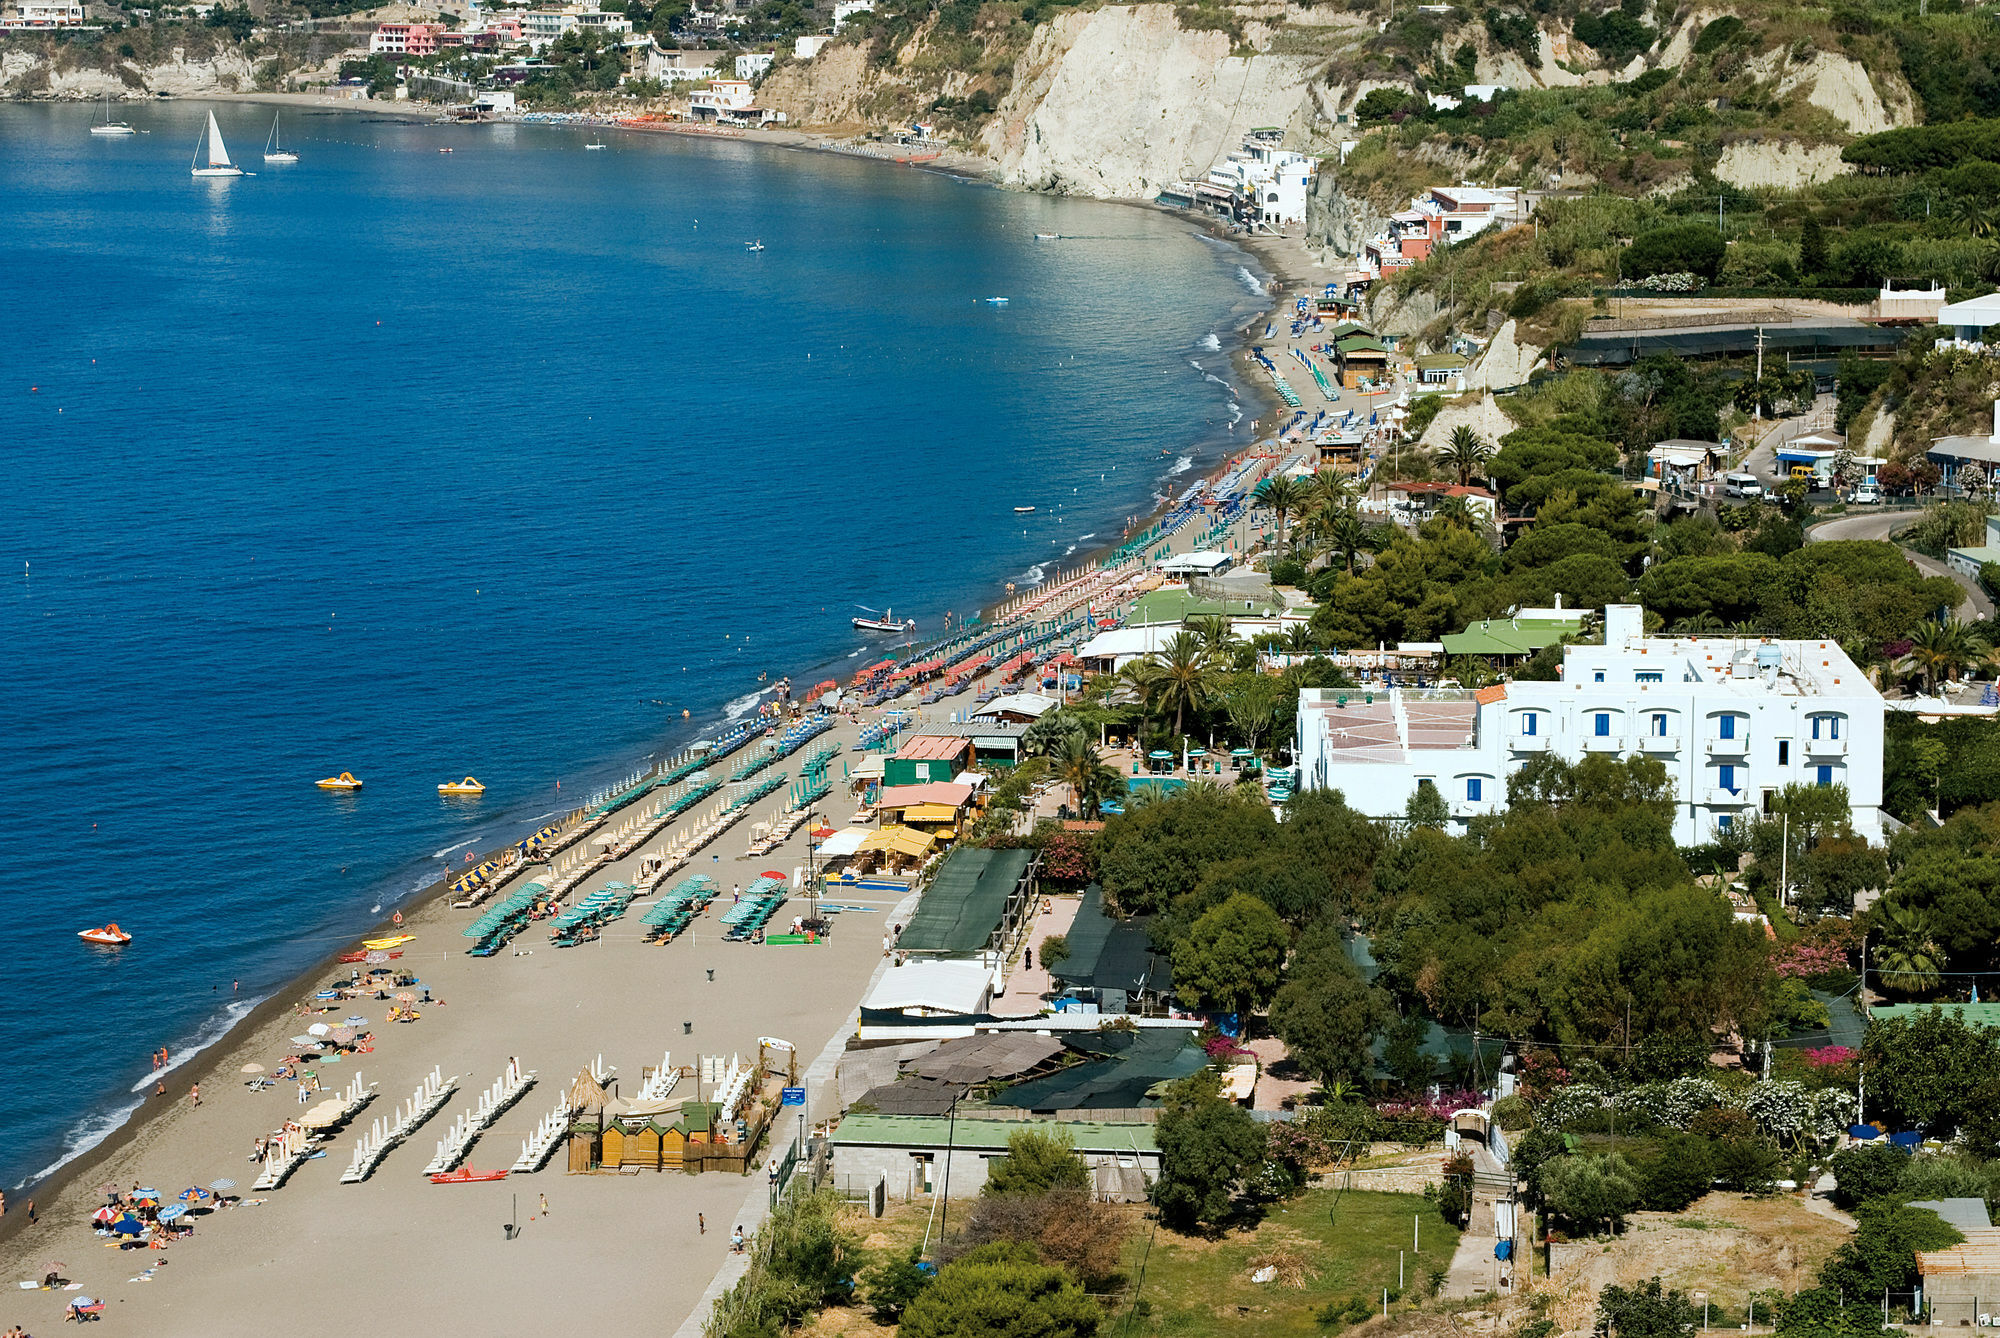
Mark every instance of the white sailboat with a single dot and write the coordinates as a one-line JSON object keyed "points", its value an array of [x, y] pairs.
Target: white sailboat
{"points": [[211, 156], [108, 126], [274, 152]]}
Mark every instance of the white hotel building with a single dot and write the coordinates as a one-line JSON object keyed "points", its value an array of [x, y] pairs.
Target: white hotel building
{"points": [[1733, 719]]}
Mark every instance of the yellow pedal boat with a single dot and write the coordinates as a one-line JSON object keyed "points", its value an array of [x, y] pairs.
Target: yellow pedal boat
{"points": [[382, 944], [344, 781], [466, 786]]}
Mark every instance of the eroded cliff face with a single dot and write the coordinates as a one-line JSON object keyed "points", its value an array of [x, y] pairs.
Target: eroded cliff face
{"points": [[1121, 101], [28, 73]]}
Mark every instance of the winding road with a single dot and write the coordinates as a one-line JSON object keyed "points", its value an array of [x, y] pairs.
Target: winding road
{"points": [[1879, 525]]}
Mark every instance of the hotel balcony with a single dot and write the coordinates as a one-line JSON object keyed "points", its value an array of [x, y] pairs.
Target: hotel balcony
{"points": [[1825, 747], [1659, 743], [1604, 743], [1736, 747], [1529, 743], [1725, 798]]}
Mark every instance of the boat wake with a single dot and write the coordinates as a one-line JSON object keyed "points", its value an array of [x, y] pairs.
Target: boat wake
{"points": [[1212, 342]]}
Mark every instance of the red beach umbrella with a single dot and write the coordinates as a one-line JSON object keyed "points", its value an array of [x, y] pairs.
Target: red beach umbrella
{"points": [[769, 874]]}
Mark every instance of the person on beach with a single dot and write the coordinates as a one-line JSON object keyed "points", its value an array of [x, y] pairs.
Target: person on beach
{"points": [[545, 1205], [736, 1241], [31, 1212], [194, 1096], [701, 1223], [159, 1088]]}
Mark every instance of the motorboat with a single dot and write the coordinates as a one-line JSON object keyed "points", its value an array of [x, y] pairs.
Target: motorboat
{"points": [[1048, 236], [211, 157], [996, 301], [344, 781], [597, 145], [465, 1175], [886, 623], [384, 944], [1023, 510], [466, 786], [444, 150], [757, 245], [111, 936], [275, 151], [107, 126]]}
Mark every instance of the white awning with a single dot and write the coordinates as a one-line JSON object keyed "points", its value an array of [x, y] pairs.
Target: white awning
{"points": [[939, 987], [843, 843]]}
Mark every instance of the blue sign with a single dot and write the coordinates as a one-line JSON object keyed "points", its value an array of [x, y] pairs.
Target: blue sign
{"points": [[793, 1096]]}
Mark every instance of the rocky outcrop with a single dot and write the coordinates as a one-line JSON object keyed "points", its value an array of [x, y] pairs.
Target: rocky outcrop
{"points": [[1506, 363], [1337, 221], [1842, 88], [1782, 163], [1482, 415], [1120, 101], [26, 73]]}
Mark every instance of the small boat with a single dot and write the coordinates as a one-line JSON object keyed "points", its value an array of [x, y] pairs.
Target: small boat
{"points": [[108, 126], [466, 786], [350, 957], [344, 781], [383, 944], [886, 623], [211, 159], [996, 301], [1048, 236], [109, 935], [275, 152], [465, 1175], [596, 145], [444, 150], [1023, 510], [757, 245]]}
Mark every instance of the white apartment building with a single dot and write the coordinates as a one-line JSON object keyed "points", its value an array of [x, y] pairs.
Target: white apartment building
{"points": [[542, 26], [45, 14], [648, 61], [1275, 181], [754, 65], [1734, 720], [847, 9]]}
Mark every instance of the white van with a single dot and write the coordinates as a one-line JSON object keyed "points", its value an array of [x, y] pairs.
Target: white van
{"points": [[1740, 484]]}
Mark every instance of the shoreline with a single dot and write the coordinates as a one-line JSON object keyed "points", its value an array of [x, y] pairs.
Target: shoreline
{"points": [[209, 1064]]}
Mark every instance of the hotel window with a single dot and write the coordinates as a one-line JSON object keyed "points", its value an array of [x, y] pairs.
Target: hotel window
{"points": [[1725, 778], [1725, 822], [1648, 676], [1727, 727], [1822, 776], [1599, 676], [1472, 790], [1659, 724], [1602, 727], [1528, 725], [1784, 752], [1826, 726]]}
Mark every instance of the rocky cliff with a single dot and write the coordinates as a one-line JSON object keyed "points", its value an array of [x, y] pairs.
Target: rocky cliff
{"points": [[27, 72]]}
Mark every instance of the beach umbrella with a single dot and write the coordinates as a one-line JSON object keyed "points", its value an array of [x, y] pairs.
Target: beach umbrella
{"points": [[222, 1184], [305, 1040], [406, 998], [107, 1189], [342, 1035], [192, 1192], [173, 1211], [357, 1021], [128, 1226], [318, 1029], [54, 1266], [105, 1214], [251, 1068], [375, 957]]}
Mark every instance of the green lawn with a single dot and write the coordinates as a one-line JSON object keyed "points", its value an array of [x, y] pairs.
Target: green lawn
{"points": [[1196, 1287]]}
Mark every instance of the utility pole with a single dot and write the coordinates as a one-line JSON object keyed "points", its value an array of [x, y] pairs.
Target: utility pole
{"points": [[1757, 407]]}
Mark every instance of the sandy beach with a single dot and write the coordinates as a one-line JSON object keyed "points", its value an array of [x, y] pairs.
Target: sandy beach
{"points": [[624, 1250]]}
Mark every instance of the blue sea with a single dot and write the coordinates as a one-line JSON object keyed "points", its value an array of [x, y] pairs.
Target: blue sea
{"points": [[515, 462]]}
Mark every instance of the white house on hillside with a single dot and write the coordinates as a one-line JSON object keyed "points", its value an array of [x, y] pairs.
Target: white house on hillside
{"points": [[1734, 719]]}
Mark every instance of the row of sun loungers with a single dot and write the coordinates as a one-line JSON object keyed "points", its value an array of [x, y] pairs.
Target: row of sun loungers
{"points": [[374, 1145], [508, 1088], [584, 919], [760, 902], [670, 916]]}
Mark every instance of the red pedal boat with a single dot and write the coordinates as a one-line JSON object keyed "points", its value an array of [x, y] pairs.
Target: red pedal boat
{"points": [[109, 935], [465, 1175]]}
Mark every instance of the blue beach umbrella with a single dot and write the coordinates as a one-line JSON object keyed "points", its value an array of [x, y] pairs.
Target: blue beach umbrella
{"points": [[172, 1211], [128, 1226]]}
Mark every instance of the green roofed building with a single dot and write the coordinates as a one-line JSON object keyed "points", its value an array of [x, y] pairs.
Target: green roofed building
{"points": [[1971, 1014], [1173, 607], [910, 1152], [1512, 638], [977, 898]]}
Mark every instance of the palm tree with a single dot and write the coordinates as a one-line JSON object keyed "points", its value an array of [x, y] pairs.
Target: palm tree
{"points": [[1940, 650], [1347, 534], [1213, 629], [1466, 454], [1975, 216], [1300, 640], [1284, 495], [1180, 679], [1907, 959], [1698, 622], [1456, 511], [1089, 777], [1250, 714], [1331, 492]]}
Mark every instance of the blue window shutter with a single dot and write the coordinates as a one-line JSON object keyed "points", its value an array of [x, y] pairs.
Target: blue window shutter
{"points": [[1603, 724], [1472, 790], [1729, 727]]}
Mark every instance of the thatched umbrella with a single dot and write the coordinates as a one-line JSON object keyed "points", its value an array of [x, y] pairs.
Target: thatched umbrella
{"points": [[586, 1093], [587, 1096]]}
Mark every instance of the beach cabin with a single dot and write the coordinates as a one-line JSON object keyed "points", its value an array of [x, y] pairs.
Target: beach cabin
{"points": [[928, 757], [1016, 708], [1361, 358], [939, 808]]}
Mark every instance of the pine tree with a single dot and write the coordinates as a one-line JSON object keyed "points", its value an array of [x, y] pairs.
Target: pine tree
{"points": [[1812, 248]]}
